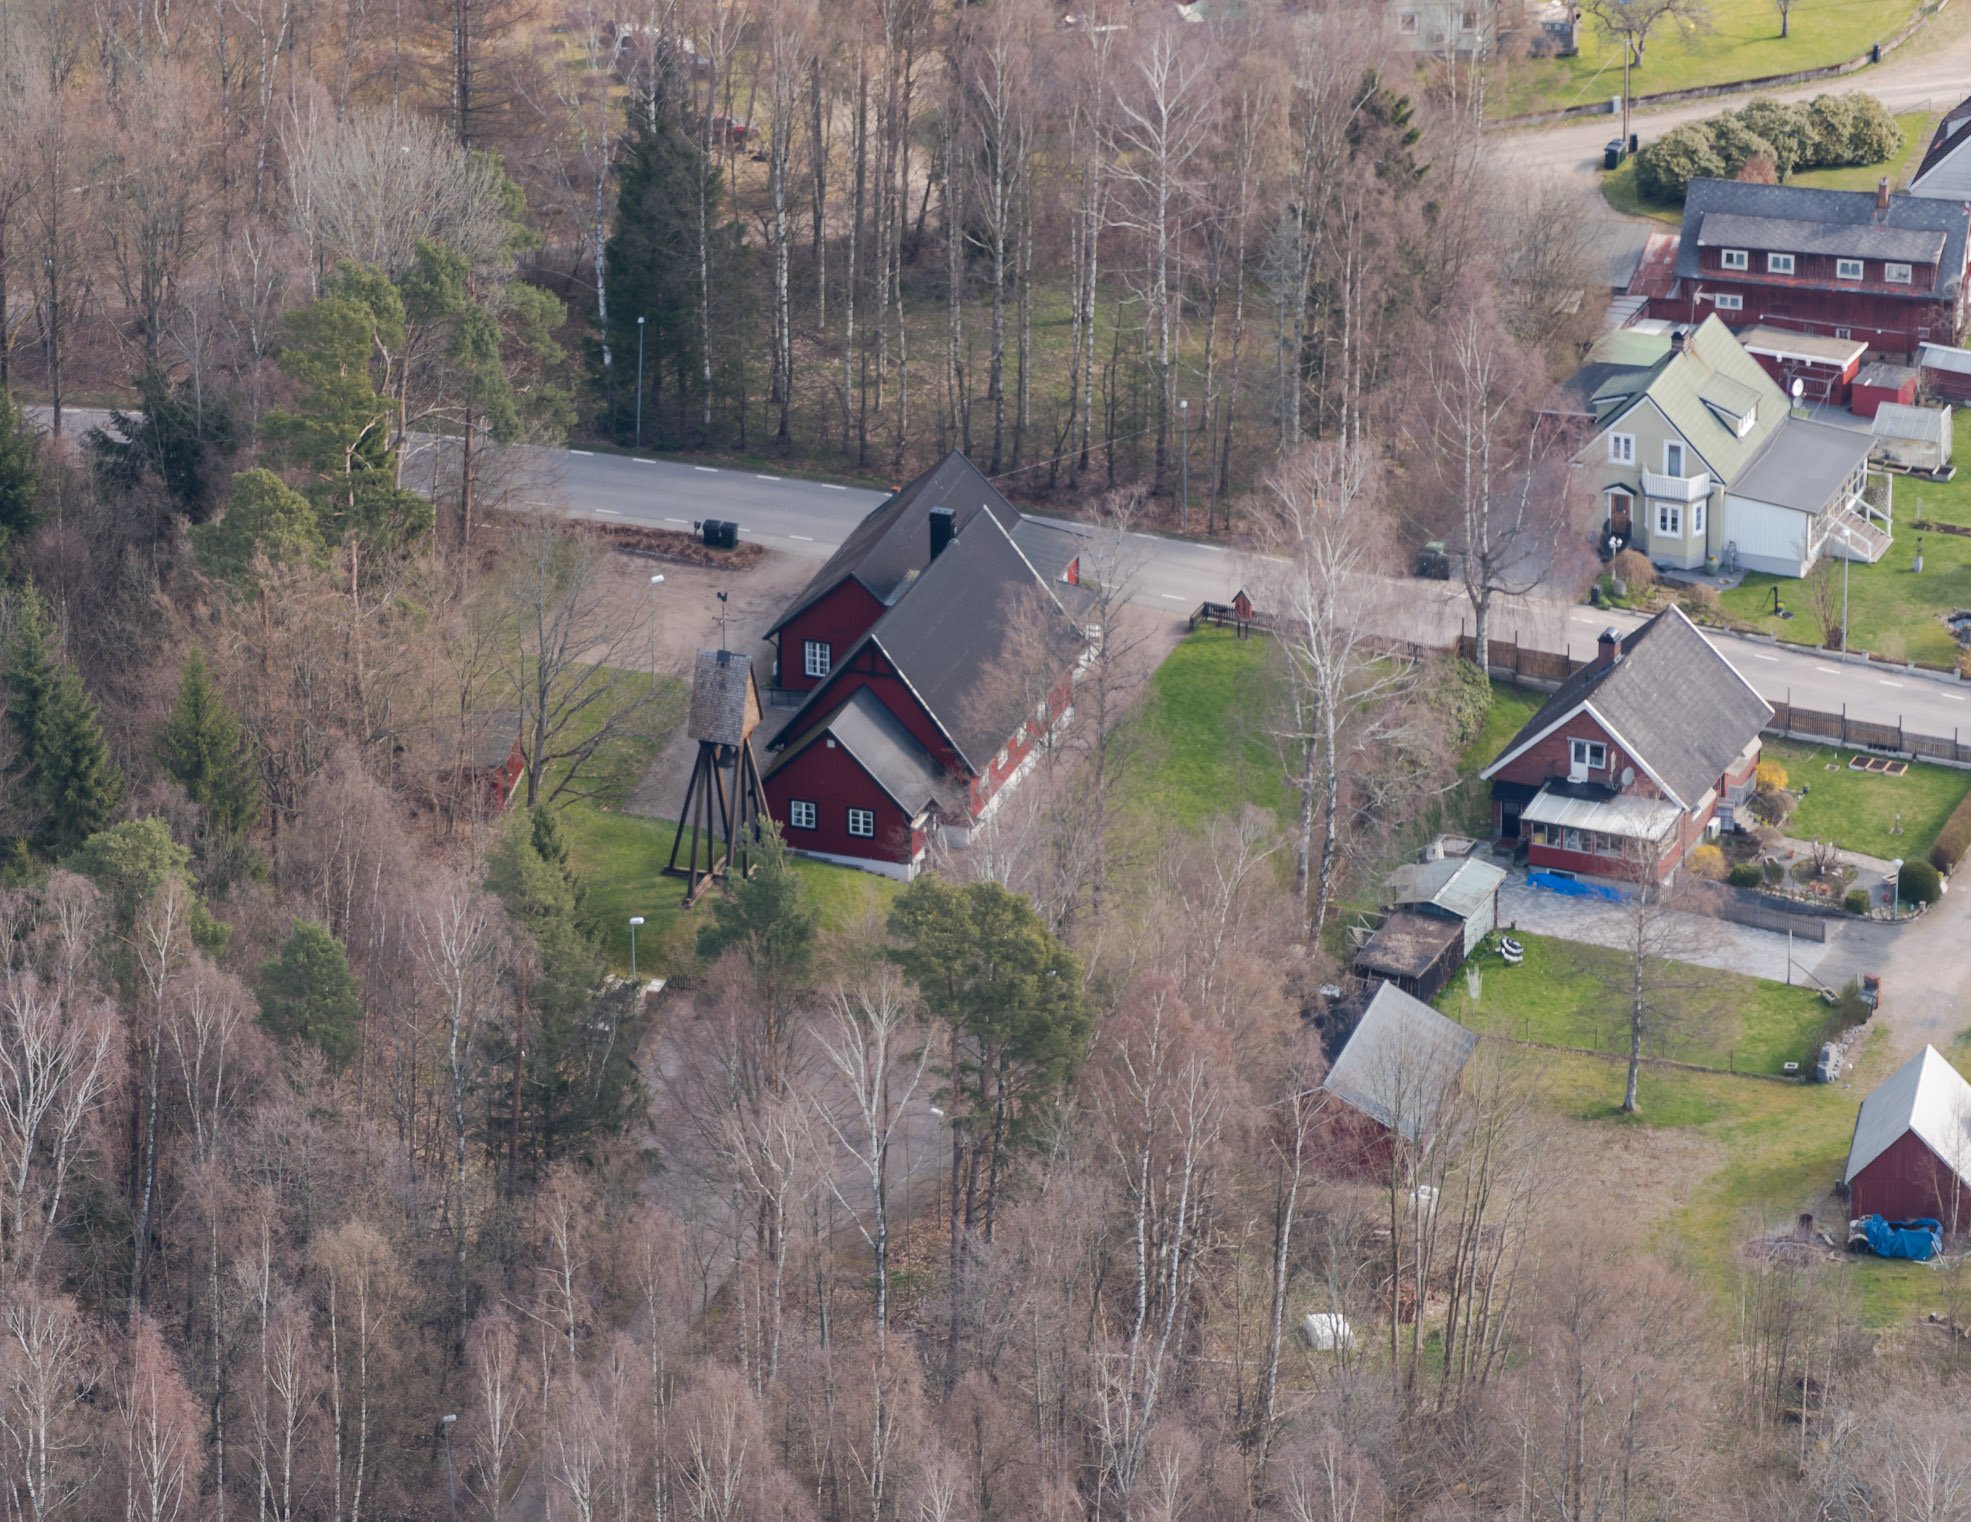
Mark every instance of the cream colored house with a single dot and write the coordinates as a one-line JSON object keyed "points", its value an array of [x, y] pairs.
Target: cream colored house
{"points": [[1697, 459]]}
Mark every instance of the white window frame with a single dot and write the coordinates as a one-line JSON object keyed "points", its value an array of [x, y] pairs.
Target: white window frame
{"points": [[1848, 269], [1779, 264], [1673, 457], [1590, 753], [1734, 259], [865, 818], [1406, 23], [817, 657], [1896, 274], [1697, 518], [1670, 519], [801, 814], [1622, 448], [1844, 332], [1728, 301]]}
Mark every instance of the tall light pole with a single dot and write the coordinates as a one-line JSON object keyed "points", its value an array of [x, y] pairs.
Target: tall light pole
{"points": [[635, 920], [450, 1484], [1184, 458], [655, 583], [639, 383]]}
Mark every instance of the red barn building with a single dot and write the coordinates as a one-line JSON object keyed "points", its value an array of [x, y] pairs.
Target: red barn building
{"points": [[1633, 756], [1886, 271], [921, 646], [1911, 1153]]}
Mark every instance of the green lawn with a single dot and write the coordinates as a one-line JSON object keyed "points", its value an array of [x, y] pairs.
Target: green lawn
{"points": [[1554, 997], [1618, 188], [1200, 745], [1893, 610], [1859, 811], [1742, 42]]}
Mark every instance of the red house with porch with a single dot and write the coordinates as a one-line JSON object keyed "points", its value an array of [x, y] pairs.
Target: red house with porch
{"points": [[935, 649], [1633, 759]]}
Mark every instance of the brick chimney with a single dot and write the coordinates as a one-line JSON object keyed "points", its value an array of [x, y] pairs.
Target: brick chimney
{"points": [[1882, 198], [1679, 336], [1608, 649]]}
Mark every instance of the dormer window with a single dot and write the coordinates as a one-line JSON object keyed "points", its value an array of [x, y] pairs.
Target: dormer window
{"points": [[1735, 259], [1847, 269], [1896, 274], [1750, 421], [1779, 264]]}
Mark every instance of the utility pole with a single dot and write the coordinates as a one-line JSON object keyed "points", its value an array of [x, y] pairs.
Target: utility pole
{"points": [[639, 383], [450, 1484], [1184, 457]]}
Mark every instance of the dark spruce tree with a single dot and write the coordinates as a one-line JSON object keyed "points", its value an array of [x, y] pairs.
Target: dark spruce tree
{"points": [[183, 436], [20, 476], [61, 762], [652, 264]]}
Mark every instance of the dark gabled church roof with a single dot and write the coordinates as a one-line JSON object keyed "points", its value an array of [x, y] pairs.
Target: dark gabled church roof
{"points": [[881, 745], [1677, 705], [891, 547]]}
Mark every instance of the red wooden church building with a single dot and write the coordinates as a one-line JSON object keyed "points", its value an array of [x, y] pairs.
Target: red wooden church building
{"points": [[919, 646]]}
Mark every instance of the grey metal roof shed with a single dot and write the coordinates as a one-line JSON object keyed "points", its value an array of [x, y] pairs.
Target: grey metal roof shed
{"points": [[1402, 1063]]}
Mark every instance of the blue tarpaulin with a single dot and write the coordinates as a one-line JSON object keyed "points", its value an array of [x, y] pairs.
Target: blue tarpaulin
{"points": [[1570, 887], [1919, 1240]]}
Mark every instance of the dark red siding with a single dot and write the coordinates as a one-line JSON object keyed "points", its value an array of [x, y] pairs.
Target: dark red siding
{"points": [[833, 781], [871, 670], [1887, 324], [1866, 400], [1818, 382], [839, 618], [1910, 1180]]}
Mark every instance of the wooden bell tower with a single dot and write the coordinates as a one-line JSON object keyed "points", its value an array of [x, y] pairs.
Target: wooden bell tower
{"points": [[723, 800]]}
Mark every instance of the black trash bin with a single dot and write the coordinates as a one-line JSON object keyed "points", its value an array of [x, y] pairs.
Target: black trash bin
{"points": [[720, 534], [1611, 156]]}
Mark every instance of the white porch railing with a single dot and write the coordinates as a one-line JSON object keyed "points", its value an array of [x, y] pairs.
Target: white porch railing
{"points": [[1677, 488]]}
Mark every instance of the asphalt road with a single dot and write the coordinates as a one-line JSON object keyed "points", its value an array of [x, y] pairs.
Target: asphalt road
{"points": [[809, 519]]}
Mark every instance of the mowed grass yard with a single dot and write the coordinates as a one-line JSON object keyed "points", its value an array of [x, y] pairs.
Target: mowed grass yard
{"points": [[1567, 994], [1893, 609], [1741, 42], [1200, 743], [1861, 811]]}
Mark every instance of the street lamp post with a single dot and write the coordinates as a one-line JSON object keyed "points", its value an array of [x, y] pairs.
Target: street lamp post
{"points": [[635, 920], [451, 1485], [655, 583], [1184, 457], [639, 383], [1896, 892]]}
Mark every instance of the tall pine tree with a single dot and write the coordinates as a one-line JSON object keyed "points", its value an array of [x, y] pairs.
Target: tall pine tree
{"points": [[68, 781], [207, 753]]}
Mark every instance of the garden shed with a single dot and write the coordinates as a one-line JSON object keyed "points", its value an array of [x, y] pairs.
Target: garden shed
{"points": [[1882, 382], [1415, 950], [1463, 889], [1401, 1065], [1911, 438], [1911, 1153]]}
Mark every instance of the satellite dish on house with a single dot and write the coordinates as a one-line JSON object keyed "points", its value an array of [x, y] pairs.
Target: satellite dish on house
{"points": [[1799, 388], [1628, 776]]}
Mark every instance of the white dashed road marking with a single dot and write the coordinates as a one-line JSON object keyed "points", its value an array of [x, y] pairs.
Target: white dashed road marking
{"points": [[766, 478], [1950, 697], [831, 486], [1827, 670], [589, 452], [610, 511], [1887, 683], [1171, 595], [1758, 657], [710, 470], [805, 538], [677, 520]]}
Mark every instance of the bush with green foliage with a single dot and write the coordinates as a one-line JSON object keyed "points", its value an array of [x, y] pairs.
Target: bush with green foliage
{"points": [[1920, 883], [310, 994], [1828, 132], [1746, 874], [264, 517], [1954, 839], [1856, 901]]}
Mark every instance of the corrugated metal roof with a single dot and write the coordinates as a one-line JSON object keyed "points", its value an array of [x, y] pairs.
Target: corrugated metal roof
{"points": [[1458, 885], [1924, 1095], [1629, 815], [1401, 1063], [1885, 376], [1678, 385], [1895, 420], [1944, 357]]}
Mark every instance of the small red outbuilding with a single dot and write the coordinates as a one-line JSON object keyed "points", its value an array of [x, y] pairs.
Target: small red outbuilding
{"points": [[1911, 1154], [1879, 383]]}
